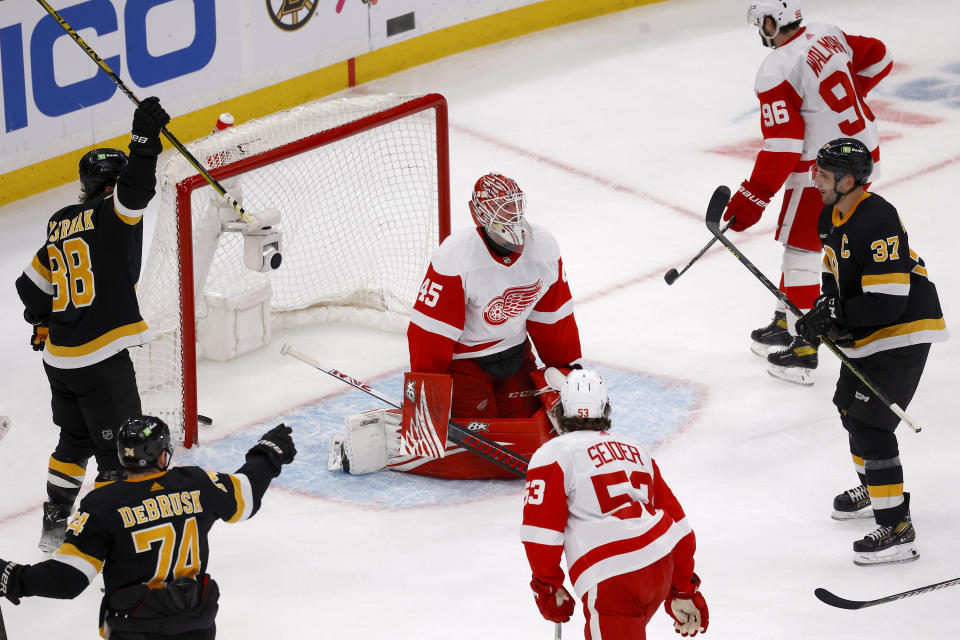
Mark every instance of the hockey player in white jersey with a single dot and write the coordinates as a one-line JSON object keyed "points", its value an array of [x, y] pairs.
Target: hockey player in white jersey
{"points": [[599, 499], [812, 88]]}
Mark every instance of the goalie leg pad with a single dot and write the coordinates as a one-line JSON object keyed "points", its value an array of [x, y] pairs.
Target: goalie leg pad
{"points": [[370, 440]]}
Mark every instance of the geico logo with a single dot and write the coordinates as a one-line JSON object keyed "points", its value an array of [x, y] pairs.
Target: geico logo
{"points": [[521, 394], [139, 65]]}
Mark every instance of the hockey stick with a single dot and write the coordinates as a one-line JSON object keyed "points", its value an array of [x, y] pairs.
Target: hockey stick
{"points": [[166, 133], [3, 627], [558, 631], [714, 210], [842, 603], [476, 444], [671, 276]]}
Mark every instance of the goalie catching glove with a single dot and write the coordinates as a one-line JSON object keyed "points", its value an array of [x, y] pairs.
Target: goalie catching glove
{"points": [[688, 609], [555, 603]]}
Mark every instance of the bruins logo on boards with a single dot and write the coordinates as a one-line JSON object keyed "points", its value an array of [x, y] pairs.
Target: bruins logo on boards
{"points": [[290, 15]]}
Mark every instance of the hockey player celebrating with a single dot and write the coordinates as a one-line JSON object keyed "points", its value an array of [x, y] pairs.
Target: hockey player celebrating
{"points": [[148, 535], [600, 499], [880, 307], [486, 291], [79, 294], [812, 89]]}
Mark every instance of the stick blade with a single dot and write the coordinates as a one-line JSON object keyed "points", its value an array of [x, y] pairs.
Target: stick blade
{"points": [[836, 601], [285, 349], [671, 276], [718, 202]]}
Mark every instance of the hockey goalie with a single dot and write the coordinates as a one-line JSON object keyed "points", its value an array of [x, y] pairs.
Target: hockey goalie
{"points": [[492, 294]]}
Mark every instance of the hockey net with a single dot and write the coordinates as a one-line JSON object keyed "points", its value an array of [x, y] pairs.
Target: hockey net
{"points": [[362, 185]]}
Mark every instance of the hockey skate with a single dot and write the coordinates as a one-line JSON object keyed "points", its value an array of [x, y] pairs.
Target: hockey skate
{"points": [[852, 504], [887, 545], [796, 363], [773, 335], [54, 530]]}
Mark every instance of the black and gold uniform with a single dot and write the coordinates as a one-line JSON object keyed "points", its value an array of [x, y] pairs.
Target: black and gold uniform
{"points": [[891, 309], [79, 292], [148, 536]]}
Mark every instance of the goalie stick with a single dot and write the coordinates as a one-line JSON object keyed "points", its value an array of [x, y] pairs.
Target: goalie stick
{"points": [[718, 203], [671, 276], [842, 603], [126, 91], [474, 443]]}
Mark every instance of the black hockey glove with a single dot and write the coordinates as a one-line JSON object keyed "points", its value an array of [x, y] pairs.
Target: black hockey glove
{"points": [[10, 580], [39, 337], [276, 445], [148, 119], [825, 319]]}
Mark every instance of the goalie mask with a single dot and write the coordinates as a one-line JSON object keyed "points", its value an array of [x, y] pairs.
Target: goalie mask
{"points": [[99, 169], [497, 206], [140, 442], [783, 13]]}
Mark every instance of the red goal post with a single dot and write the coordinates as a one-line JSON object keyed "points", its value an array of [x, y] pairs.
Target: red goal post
{"points": [[362, 186]]}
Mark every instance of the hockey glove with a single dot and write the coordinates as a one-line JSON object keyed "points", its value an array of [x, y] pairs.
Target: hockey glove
{"points": [[688, 609], [747, 205], [39, 337], [10, 580], [825, 319], [555, 603], [276, 445], [148, 119]]}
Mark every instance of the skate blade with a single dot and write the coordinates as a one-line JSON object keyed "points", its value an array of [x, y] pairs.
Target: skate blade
{"points": [[866, 512], [335, 455], [897, 555], [763, 350], [796, 375]]}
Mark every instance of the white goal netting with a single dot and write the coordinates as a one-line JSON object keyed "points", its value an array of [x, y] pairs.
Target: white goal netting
{"points": [[360, 216]]}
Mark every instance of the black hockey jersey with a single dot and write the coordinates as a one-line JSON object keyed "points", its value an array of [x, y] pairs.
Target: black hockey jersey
{"points": [[82, 281], [887, 299]]}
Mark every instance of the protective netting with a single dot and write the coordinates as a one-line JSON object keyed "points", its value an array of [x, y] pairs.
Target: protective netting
{"points": [[359, 217]]}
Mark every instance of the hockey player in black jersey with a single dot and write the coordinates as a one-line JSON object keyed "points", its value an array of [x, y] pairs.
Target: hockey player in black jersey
{"points": [[880, 307], [79, 295], [147, 534]]}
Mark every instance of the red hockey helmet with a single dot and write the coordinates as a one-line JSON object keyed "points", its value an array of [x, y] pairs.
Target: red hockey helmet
{"points": [[498, 205]]}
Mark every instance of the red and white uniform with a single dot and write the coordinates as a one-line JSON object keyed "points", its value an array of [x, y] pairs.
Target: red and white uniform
{"points": [[475, 303], [599, 498], [812, 89]]}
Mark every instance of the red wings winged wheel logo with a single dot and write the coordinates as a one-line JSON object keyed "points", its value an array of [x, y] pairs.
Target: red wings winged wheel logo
{"points": [[512, 303]]}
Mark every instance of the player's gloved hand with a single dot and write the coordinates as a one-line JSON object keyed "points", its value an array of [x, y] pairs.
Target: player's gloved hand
{"points": [[687, 608], [555, 603], [148, 119], [10, 580], [39, 337], [825, 319], [747, 205], [276, 445]]}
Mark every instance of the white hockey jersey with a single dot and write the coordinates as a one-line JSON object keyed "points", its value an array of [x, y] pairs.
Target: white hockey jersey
{"points": [[600, 499], [812, 89], [474, 302]]}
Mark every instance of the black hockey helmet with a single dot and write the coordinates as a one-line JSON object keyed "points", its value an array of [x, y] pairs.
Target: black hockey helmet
{"points": [[846, 156], [141, 440], [99, 169]]}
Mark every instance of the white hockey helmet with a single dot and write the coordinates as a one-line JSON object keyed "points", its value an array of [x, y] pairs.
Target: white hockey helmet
{"points": [[498, 205], [584, 395], [783, 12]]}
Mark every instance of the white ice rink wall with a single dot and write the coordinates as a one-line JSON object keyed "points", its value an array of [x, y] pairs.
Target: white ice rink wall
{"points": [[202, 57]]}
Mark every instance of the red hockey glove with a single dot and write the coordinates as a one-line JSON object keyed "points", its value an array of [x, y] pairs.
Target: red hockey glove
{"points": [[555, 603], [39, 337], [688, 609], [747, 205]]}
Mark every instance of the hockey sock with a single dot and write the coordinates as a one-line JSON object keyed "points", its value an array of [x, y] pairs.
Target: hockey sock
{"points": [[64, 478]]}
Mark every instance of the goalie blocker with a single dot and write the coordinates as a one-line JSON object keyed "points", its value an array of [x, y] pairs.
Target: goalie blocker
{"points": [[414, 440]]}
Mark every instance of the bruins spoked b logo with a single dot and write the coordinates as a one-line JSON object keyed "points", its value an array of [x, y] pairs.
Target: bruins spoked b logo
{"points": [[290, 15]]}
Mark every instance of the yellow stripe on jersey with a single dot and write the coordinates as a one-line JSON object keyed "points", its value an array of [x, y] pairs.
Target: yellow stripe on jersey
{"points": [[902, 330], [102, 483], [88, 348], [920, 271], [130, 220], [67, 468], [40, 269], [238, 495], [885, 278], [67, 549]]}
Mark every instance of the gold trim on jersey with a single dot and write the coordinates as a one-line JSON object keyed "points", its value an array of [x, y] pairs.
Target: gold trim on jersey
{"points": [[238, 495], [98, 343], [67, 468], [920, 271], [102, 483], [894, 284], [842, 218], [904, 329], [149, 476], [68, 549], [128, 219], [41, 270]]}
